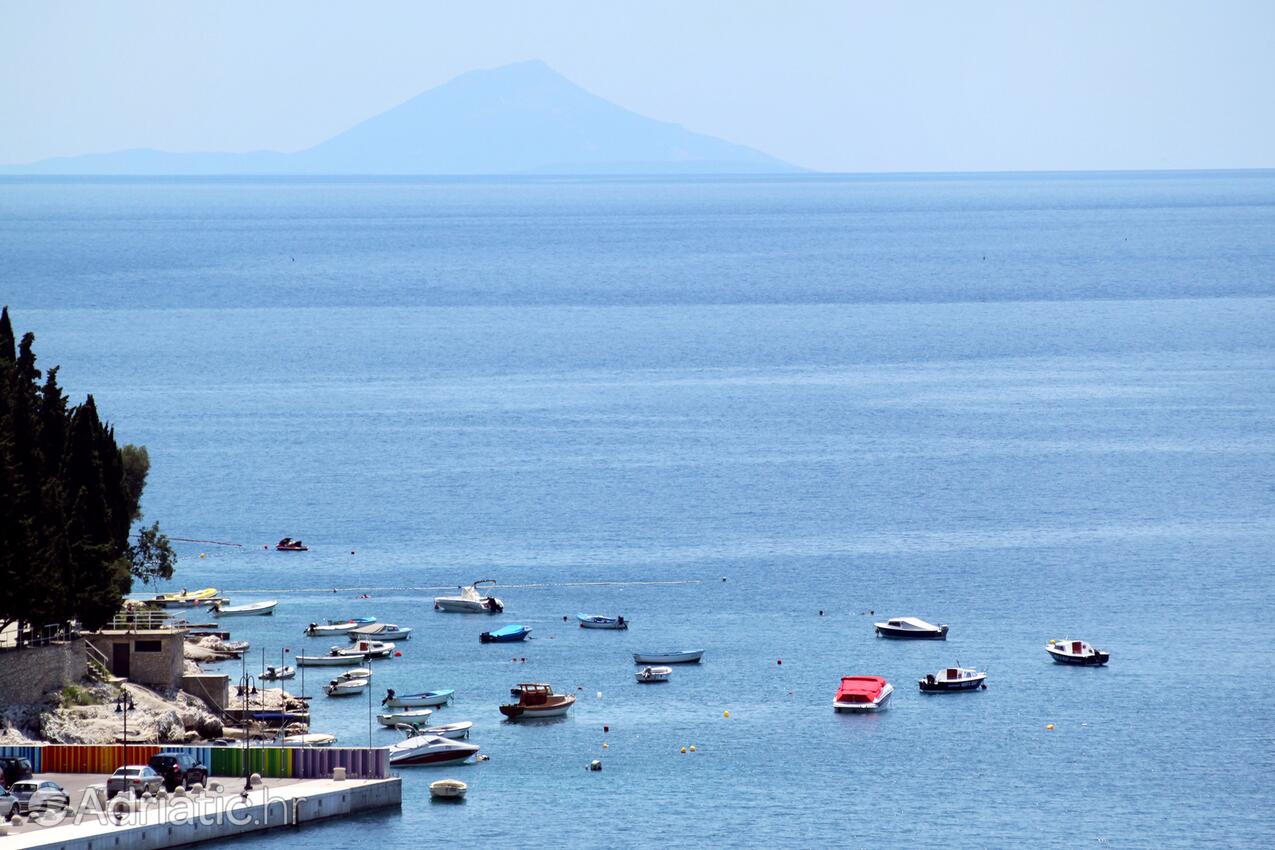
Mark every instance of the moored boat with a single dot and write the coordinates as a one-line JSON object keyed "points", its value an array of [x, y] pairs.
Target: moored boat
{"points": [[309, 739], [413, 716], [251, 609], [649, 675], [274, 674], [185, 599], [329, 660], [342, 687], [380, 631], [448, 789], [356, 673], [952, 679], [338, 627], [599, 621], [862, 693], [505, 634], [287, 544], [471, 600], [537, 701], [366, 649], [683, 656], [910, 627], [1077, 652], [424, 699], [430, 751], [450, 730]]}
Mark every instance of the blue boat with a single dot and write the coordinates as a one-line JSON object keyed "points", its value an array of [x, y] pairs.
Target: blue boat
{"points": [[505, 634]]}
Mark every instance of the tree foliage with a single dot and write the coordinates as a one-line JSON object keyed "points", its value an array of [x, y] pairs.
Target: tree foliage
{"points": [[69, 496]]}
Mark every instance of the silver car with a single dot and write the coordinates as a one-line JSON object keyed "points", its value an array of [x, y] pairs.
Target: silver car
{"points": [[38, 795], [138, 778], [8, 803]]}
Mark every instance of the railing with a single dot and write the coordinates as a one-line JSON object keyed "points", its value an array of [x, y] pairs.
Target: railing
{"points": [[131, 621], [14, 638]]}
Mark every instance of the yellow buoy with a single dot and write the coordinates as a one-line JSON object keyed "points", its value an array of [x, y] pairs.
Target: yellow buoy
{"points": [[692, 748], [203, 555], [605, 746], [683, 749], [1049, 727], [725, 714]]}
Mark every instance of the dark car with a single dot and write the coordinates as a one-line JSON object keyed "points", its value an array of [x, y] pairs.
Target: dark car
{"points": [[179, 769], [15, 769]]}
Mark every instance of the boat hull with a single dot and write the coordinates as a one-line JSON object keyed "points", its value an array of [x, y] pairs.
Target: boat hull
{"points": [[521, 712], [940, 687], [607, 623], [911, 634], [1099, 659], [465, 606], [504, 637], [879, 704], [420, 700], [448, 789], [435, 759], [329, 660], [668, 658], [264, 610]]}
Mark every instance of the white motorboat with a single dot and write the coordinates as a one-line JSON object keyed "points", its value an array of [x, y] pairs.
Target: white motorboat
{"points": [[862, 693], [310, 739], [424, 699], [345, 687], [910, 627], [1077, 652], [952, 680], [366, 649], [251, 609], [329, 660], [380, 632], [648, 675], [450, 730], [274, 674], [404, 715], [684, 656], [339, 627], [432, 750], [356, 673], [448, 789], [471, 600], [599, 621]]}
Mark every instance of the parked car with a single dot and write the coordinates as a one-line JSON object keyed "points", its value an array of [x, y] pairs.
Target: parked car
{"points": [[179, 769], [38, 795], [8, 804], [138, 778], [15, 769]]}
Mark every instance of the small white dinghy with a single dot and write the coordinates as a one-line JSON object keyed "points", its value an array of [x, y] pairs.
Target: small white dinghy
{"points": [[405, 715], [345, 687], [601, 621], [380, 632], [448, 789], [684, 656], [310, 739], [329, 660], [455, 731], [356, 673], [251, 609], [339, 627], [274, 674], [648, 675], [366, 649]]}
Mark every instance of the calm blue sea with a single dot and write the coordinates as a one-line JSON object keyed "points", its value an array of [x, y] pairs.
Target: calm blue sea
{"points": [[1030, 406]]}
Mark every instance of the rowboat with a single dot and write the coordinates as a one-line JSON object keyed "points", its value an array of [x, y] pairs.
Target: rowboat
{"points": [[598, 621], [471, 600], [424, 699], [536, 701], [311, 739], [684, 656], [450, 730], [448, 789], [274, 674], [911, 627], [185, 599], [252, 609], [345, 687], [410, 716], [505, 634], [356, 673]]}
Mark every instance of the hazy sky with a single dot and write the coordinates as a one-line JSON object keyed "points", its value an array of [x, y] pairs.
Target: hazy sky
{"points": [[842, 86]]}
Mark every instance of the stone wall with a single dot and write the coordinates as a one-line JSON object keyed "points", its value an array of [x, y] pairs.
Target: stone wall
{"points": [[29, 673], [155, 656]]}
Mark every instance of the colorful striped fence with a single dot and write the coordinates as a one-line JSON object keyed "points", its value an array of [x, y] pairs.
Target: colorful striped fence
{"points": [[274, 762]]}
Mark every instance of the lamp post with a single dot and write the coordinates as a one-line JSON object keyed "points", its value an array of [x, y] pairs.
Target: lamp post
{"points": [[368, 660], [123, 702], [244, 684]]}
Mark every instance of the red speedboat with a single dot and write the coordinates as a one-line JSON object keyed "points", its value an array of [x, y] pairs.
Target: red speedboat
{"points": [[862, 693], [287, 544]]}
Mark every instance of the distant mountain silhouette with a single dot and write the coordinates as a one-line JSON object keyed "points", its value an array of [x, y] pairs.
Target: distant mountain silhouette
{"points": [[517, 119]]}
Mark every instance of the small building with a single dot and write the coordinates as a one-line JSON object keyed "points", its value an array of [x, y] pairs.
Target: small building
{"points": [[148, 656]]}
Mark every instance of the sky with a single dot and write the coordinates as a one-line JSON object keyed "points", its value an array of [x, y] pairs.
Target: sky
{"points": [[834, 86]]}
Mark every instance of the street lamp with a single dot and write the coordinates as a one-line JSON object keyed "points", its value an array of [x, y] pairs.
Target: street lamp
{"points": [[123, 702], [247, 682]]}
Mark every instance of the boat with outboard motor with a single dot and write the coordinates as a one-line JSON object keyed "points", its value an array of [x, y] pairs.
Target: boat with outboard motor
{"points": [[274, 674], [251, 609], [650, 675], [380, 631], [536, 701], [599, 621], [287, 544], [424, 699], [505, 634], [683, 656], [430, 751], [910, 627], [411, 716], [329, 660], [339, 627], [343, 687], [862, 693], [366, 649], [953, 679], [471, 600], [1077, 652]]}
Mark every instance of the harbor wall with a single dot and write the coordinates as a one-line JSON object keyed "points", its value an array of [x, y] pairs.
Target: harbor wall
{"points": [[29, 672], [271, 762]]}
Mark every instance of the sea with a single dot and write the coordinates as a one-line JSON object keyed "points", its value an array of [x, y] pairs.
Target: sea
{"points": [[753, 416]]}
